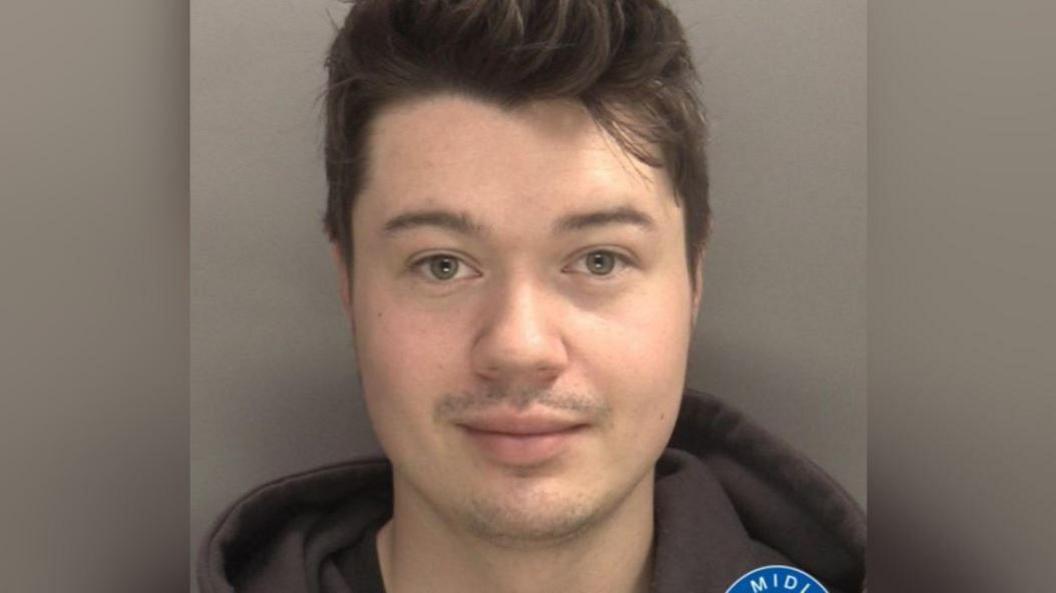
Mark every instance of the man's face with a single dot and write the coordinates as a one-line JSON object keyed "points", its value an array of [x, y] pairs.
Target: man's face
{"points": [[522, 314]]}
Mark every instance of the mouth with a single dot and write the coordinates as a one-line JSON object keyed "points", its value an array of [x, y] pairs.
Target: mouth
{"points": [[522, 440]]}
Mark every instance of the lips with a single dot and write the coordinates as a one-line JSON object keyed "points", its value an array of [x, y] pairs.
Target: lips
{"points": [[522, 439], [520, 424]]}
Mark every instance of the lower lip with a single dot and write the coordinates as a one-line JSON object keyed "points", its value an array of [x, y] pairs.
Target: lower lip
{"points": [[514, 449]]}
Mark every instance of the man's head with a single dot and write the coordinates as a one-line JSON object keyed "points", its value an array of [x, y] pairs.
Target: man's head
{"points": [[518, 206]]}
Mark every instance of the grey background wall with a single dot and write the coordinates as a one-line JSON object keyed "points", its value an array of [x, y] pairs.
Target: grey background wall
{"points": [[782, 332]]}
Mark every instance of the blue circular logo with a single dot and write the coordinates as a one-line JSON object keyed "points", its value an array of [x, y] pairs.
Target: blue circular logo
{"points": [[777, 579]]}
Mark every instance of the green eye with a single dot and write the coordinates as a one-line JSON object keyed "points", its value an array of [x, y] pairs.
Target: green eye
{"points": [[443, 267], [601, 263]]}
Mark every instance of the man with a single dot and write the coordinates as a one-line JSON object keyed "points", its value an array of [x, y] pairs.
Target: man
{"points": [[518, 213]]}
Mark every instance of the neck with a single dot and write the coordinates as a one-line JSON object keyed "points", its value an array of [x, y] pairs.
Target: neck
{"points": [[419, 551]]}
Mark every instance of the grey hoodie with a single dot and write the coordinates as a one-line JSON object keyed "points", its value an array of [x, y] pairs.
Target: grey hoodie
{"points": [[729, 498]]}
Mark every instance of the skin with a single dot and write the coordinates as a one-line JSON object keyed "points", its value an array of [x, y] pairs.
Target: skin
{"points": [[531, 319]]}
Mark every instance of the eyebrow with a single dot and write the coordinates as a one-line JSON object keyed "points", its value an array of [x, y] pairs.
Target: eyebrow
{"points": [[463, 223], [619, 215]]}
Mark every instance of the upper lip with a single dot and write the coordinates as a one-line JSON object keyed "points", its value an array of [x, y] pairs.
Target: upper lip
{"points": [[520, 424]]}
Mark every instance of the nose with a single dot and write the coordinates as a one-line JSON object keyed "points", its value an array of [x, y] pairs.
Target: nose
{"points": [[520, 342]]}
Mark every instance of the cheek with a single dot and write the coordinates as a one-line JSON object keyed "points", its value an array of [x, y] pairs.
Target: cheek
{"points": [[404, 351], [648, 334], [404, 368], [639, 354]]}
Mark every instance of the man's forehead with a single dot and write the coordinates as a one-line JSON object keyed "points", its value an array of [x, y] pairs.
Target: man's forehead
{"points": [[479, 215], [456, 135], [458, 155]]}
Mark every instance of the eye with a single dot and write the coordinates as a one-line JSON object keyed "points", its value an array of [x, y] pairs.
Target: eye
{"points": [[602, 262], [441, 267]]}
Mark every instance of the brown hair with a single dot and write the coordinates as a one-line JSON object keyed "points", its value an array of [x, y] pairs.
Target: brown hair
{"points": [[626, 61]]}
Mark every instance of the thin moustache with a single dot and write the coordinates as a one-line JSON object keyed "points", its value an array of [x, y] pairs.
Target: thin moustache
{"points": [[521, 424]]}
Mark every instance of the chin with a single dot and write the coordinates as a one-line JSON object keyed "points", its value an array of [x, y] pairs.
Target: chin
{"points": [[535, 513], [524, 524]]}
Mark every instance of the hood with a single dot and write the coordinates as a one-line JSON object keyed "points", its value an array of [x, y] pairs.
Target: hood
{"points": [[729, 498]]}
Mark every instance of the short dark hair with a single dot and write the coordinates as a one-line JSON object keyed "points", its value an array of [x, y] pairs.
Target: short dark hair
{"points": [[626, 61]]}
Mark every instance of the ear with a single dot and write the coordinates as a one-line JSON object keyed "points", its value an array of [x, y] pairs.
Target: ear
{"points": [[698, 286], [343, 278]]}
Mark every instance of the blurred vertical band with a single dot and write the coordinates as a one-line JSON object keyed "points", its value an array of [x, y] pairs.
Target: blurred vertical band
{"points": [[962, 366], [94, 296]]}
